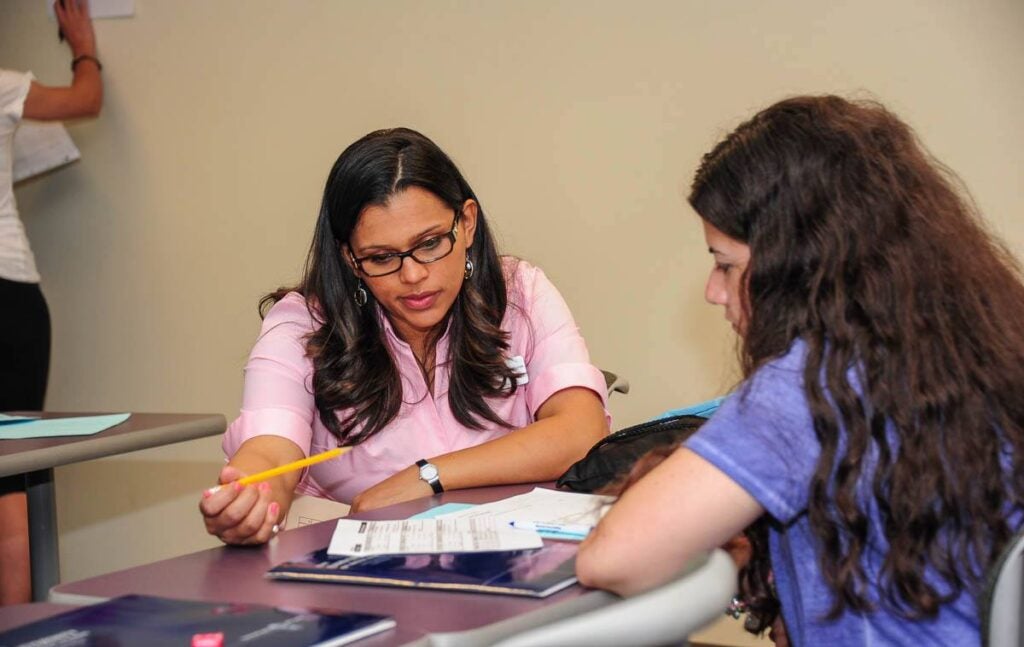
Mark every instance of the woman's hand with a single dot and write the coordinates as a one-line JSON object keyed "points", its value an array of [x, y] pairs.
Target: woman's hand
{"points": [[402, 486], [239, 514], [84, 97], [76, 25]]}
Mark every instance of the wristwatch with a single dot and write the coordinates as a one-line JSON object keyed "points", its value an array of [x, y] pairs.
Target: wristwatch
{"points": [[429, 473]]}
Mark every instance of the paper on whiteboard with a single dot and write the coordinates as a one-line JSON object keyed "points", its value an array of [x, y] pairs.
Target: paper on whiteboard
{"points": [[41, 146], [427, 536], [101, 8]]}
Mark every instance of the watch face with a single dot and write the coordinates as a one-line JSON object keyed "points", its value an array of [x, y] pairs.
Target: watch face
{"points": [[428, 472]]}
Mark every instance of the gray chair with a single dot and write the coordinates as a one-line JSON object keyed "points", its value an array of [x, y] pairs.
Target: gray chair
{"points": [[666, 615], [615, 383], [1003, 602]]}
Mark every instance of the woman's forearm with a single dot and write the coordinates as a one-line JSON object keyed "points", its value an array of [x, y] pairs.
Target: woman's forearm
{"points": [[568, 424]]}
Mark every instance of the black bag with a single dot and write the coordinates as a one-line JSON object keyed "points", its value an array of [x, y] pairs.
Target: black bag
{"points": [[613, 456]]}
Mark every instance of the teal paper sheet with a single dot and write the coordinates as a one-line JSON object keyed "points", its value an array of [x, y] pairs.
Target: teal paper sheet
{"points": [[445, 508], [702, 409], [19, 428], [13, 420], [448, 508]]}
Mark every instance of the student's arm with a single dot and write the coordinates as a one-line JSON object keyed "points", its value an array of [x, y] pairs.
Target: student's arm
{"points": [[567, 425], [246, 514], [84, 97], [274, 428], [682, 507]]}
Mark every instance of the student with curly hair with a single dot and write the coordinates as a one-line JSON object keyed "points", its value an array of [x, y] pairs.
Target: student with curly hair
{"points": [[880, 424]]}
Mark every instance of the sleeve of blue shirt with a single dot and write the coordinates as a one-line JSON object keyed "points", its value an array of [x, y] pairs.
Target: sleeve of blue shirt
{"points": [[763, 437]]}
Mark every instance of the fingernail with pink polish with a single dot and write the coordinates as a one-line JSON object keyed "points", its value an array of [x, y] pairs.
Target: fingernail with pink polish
{"points": [[273, 508], [264, 487]]}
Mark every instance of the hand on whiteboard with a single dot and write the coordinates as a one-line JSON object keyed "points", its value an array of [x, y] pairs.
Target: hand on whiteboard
{"points": [[84, 97], [75, 24]]}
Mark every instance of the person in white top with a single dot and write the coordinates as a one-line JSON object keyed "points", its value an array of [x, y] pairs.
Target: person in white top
{"points": [[25, 324]]}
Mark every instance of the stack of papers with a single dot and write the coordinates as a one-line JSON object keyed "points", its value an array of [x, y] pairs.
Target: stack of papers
{"points": [[515, 523], [427, 536], [542, 506]]}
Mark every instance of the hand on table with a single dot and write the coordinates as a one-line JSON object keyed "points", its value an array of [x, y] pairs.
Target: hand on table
{"points": [[402, 486], [239, 514]]}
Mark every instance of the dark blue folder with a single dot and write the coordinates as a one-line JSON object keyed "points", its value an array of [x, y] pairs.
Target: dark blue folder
{"points": [[537, 572], [159, 622]]}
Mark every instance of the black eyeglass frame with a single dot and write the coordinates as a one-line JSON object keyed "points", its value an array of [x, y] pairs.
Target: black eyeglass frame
{"points": [[452, 235]]}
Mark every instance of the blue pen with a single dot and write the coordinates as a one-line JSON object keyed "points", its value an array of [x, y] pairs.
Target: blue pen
{"points": [[568, 530]]}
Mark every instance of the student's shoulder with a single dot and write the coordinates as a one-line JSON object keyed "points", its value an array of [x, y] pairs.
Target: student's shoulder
{"points": [[793, 360], [292, 309], [780, 379], [14, 87], [524, 280]]}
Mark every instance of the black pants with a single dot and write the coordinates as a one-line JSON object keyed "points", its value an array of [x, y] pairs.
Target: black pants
{"points": [[24, 354]]}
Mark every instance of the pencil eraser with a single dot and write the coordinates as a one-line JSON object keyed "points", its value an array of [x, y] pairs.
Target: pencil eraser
{"points": [[208, 640]]}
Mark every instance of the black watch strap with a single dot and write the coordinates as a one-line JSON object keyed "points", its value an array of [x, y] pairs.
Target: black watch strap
{"points": [[432, 479]]}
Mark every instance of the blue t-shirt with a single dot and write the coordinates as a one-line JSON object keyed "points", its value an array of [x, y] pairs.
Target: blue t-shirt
{"points": [[763, 438]]}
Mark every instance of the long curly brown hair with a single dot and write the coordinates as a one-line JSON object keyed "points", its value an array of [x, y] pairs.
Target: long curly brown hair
{"points": [[863, 247]]}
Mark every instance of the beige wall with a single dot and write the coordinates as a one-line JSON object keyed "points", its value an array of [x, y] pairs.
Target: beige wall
{"points": [[578, 123]]}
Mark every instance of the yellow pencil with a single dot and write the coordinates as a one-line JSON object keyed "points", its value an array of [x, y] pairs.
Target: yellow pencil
{"points": [[288, 467]]}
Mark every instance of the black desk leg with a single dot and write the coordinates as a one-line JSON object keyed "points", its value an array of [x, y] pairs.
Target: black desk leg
{"points": [[42, 533]]}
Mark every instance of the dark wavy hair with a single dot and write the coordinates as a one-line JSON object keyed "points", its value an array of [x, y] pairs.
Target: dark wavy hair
{"points": [[863, 247], [353, 368]]}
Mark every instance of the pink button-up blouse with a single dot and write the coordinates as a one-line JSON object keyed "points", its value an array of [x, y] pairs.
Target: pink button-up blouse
{"points": [[278, 397]]}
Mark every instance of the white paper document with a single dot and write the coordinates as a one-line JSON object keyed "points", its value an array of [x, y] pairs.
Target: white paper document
{"points": [[542, 505], [40, 147], [427, 536], [101, 9]]}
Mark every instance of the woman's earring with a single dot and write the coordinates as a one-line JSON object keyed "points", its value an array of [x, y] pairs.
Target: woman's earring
{"points": [[360, 295], [469, 269]]}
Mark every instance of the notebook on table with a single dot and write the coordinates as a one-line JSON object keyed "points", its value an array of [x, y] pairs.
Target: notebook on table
{"points": [[535, 573], [162, 622]]}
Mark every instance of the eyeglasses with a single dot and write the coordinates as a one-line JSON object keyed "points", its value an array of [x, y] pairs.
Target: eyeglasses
{"points": [[429, 251]]}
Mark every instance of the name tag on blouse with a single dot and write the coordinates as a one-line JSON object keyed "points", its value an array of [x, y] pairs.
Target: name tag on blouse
{"points": [[517, 364]]}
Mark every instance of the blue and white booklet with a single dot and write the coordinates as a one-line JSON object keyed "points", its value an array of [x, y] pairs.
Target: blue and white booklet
{"points": [[536, 572], [162, 622]]}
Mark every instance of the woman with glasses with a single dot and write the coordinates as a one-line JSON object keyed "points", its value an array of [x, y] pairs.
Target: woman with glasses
{"points": [[442, 364], [880, 425]]}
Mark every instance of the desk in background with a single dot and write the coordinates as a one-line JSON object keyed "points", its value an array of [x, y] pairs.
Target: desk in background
{"points": [[36, 458]]}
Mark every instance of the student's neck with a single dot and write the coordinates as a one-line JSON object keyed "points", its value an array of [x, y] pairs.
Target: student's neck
{"points": [[423, 344]]}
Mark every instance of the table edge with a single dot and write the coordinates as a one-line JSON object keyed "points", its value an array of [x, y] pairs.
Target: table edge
{"points": [[101, 447]]}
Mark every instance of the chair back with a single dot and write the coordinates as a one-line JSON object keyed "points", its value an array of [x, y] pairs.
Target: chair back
{"points": [[615, 383], [1003, 601], [666, 615]]}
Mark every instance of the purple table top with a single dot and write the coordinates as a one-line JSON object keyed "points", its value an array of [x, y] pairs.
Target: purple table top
{"points": [[16, 615], [237, 574]]}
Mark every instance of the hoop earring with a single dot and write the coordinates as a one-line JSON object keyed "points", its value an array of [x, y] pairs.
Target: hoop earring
{"points": [[360, 295], [469, 269]]}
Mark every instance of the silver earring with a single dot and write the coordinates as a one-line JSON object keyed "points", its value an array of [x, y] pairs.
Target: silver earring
{"points": [[469, 269], [360, 295]]}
